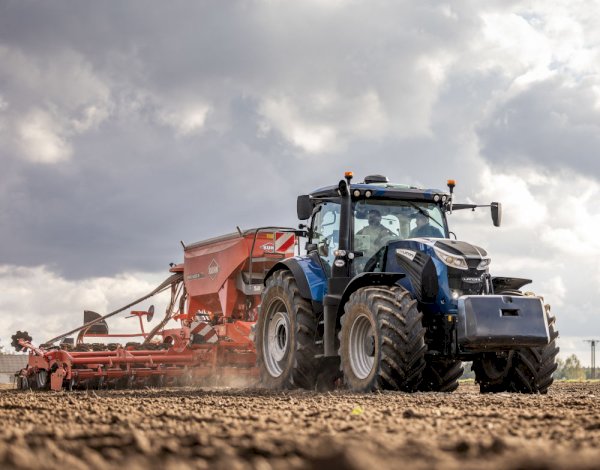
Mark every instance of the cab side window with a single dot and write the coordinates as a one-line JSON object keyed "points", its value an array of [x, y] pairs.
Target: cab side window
{"points": [[326, 231]]}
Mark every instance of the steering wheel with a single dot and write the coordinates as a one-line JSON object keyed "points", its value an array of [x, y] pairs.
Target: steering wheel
{"points": [[374, 260]]}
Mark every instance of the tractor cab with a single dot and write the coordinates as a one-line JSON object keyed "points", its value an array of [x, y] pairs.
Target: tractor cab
{"points": [[381, 213]]}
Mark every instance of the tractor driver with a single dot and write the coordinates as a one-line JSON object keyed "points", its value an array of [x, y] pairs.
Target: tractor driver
{"points": [[424, 228], [377, 233]]}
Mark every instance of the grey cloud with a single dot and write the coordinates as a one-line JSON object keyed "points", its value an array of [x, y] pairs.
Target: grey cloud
{"points": [[135, 182], [132, 187], [551, 123]]}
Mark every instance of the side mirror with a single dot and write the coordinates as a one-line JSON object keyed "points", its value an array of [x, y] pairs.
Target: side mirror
{"points": [[496, 213], [304, 207], [311, 247]]}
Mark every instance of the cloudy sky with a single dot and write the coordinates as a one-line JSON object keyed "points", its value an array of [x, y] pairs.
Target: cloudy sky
{"points": [[128, 126]]}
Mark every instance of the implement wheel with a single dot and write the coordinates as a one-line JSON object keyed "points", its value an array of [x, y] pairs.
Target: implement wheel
{"points": [[41, 379], [23, 382], [382, 343], [285, 336]]}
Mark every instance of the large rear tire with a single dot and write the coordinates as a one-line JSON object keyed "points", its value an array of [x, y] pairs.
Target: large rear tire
{"points": [[526, 370], [286, 333], [441, 375], [382, 340]]}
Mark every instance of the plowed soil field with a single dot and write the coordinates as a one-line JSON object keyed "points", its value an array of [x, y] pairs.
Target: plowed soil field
{"points": [[231, 429]]}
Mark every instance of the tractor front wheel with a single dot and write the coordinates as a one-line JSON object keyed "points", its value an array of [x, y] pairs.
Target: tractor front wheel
{"points": [[441, 375], [382, 343], [534, 367], [286, 333], [492, 371], [526, 370]]}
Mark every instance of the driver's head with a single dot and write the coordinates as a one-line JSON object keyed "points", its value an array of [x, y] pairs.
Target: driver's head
{"points": [[421, 219], [374, 217]]}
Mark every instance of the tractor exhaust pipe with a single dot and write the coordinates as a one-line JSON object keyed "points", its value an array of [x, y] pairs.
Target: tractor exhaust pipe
{"points": [[340, 272]]}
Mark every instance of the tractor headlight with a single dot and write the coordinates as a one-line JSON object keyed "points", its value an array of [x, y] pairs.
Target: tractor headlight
{"points": [[454, 261], [485, 262]]}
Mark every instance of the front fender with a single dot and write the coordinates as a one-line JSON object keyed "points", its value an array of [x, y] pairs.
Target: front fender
{"points": [[368, 279], [503, 284], [309, 275]]}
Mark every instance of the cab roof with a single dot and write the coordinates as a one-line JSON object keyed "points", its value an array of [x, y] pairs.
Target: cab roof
{"points": [[382, 191]]}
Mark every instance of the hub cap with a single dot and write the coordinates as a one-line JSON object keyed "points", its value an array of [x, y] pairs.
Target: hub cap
{"points": [[277, 339], [362, 347]]}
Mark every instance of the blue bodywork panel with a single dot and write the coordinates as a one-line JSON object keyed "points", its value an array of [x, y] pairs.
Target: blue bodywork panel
{"points": [[444, 302], [315, 276]]}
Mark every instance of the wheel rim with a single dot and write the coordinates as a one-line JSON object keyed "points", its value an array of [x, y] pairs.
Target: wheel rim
{"points": [[42, 378], [276, 340], [361, 347]]}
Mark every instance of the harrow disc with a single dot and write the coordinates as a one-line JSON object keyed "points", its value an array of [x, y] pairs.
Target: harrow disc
{"points": [[18, 336]]}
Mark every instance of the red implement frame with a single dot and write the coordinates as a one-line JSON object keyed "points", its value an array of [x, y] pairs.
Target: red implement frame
{"points": [[215, 295]]}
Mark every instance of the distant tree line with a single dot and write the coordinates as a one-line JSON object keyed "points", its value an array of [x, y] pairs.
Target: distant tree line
{"points": [[571, 369]]}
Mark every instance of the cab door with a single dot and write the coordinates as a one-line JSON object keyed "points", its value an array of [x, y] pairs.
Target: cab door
{"points": [[326, 232]]}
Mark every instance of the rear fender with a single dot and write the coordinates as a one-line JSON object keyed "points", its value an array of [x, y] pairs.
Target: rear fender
{"points": [[368, 279], [309, 275]]}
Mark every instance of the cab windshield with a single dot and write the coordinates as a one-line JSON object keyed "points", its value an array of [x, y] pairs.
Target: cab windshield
{"points": [[376, 223]]}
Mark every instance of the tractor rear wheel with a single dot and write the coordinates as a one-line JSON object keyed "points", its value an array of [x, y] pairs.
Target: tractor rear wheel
{"points": [[382, 340], [286, 333], [441, 375], [526, 370]]}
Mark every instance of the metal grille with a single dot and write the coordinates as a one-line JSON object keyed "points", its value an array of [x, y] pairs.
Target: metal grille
{"points": [[455, 279]]}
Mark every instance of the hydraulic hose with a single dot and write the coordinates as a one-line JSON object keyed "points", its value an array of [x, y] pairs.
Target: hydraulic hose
{"points": [[167, 283]]}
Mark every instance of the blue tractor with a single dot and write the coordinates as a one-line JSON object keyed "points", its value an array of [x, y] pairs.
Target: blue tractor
{"points": [[386, 298]]}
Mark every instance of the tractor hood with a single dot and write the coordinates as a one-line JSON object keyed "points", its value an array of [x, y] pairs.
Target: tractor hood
{"points": [[439, 266], [457, 248], [438, 247]]}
